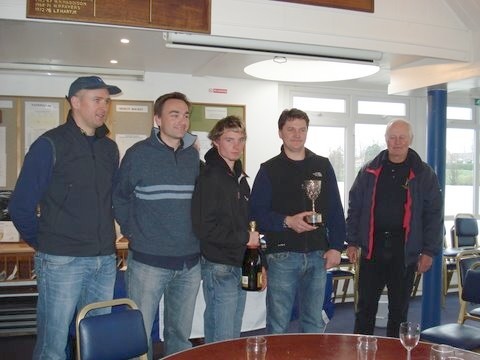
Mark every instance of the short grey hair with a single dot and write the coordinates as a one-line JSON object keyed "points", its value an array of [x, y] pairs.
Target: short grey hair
{"points": [[403, 121]]}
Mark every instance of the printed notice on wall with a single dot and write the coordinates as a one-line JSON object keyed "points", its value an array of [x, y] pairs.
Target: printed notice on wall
{"points": [[39, 117], [6, 104], [132, 108], [8, 233], [215, 113], [203, 142], [124, 141]]}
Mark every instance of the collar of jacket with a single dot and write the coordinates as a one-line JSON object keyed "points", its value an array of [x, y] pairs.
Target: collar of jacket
{"points": [[413, 160], [187, 140], [308, 154], [213, 158], [100, 132]]}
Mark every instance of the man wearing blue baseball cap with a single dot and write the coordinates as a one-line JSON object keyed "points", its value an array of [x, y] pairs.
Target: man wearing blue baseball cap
{"points": [[62, 207]]}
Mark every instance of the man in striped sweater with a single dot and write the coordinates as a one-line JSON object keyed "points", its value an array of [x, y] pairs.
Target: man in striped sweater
{"points": [[151, 200]]}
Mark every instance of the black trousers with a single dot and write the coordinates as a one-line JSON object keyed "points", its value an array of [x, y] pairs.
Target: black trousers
{"points": [[387, 267]]}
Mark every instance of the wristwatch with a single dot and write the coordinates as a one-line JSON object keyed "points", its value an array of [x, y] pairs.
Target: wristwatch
{"points": [[285, 226]]}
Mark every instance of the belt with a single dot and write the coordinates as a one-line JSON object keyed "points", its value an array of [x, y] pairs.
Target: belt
{"points": [[390, 234]]}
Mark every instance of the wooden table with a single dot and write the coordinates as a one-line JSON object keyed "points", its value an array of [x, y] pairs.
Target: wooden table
{"points": [[304, 347], [15, 248]]}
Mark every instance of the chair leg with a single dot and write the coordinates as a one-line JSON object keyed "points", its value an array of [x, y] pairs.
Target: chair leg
{"points": [[462, 312], [446, 285], [416, 283], [345, 288], [449, 279], [335, 286]]}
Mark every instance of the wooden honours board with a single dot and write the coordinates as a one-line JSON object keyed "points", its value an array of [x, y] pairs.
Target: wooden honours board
{"points": [[184, 15]]}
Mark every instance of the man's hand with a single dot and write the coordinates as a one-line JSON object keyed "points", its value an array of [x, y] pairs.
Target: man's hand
{"points": [[332, 258], [297, 222], [253, 239], [352, 253], [424, 263], [264, 278]]}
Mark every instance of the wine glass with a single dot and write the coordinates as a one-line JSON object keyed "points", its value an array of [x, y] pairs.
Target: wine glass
{"points": [[409, 336]]}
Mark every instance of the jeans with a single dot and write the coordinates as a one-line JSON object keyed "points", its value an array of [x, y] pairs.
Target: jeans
{"points": [[66, 284], [301, 274], [147, 284], [224, 300]]}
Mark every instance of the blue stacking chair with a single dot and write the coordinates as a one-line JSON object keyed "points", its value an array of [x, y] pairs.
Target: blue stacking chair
{"points": [[467, 261], [115, 336], [463, 234], [461, 335]]}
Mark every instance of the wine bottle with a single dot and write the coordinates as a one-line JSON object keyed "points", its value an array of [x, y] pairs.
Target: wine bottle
{"points": [[252, 266]]}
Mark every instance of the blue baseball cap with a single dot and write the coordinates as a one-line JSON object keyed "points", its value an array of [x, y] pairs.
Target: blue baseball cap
{"points": [[91, 83]]}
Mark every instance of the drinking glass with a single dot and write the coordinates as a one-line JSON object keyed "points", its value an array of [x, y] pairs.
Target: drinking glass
{"points": [[256, 348], [441, 352], [409, 336], [366, 348]]}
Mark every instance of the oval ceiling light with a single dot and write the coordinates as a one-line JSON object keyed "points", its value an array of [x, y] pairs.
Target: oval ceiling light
{"points": [[296, 70]]}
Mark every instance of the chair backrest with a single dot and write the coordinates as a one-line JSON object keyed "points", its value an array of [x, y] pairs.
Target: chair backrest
{"points": [[114, 336], [466, 231], [471, 285], [466, 260]]}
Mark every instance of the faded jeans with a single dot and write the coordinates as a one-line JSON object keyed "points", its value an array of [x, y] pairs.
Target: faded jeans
{"points": [[224, 300], [290, 273], [66, 284], [147, 284]]}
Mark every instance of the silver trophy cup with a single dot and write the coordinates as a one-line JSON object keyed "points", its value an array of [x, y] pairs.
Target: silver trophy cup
{"points": [[312, 189]]}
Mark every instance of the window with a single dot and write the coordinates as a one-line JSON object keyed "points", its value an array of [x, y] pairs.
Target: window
{"points": [[459, 113], [459, 171], [384, 108], [329, 142], [460, 166], [369, 141], [352, 133], [319, 104], [351, 128]]}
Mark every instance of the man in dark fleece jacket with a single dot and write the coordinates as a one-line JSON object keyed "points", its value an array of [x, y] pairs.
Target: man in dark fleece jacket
{"points": [[68, 176], [395, 217], [220, 220]]}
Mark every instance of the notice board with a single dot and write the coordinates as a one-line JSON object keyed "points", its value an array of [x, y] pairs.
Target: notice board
{"points": [[23, 119], [204, 116]]}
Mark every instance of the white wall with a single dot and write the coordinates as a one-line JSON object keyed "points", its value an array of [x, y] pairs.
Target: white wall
{"points": [[408, 27]]}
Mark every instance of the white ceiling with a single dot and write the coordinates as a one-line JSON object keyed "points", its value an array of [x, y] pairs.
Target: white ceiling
{"points": [[93, 46], [70, 44]]}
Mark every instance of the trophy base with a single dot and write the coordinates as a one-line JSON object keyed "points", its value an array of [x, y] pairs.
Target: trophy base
{"points": [[314, 220]]}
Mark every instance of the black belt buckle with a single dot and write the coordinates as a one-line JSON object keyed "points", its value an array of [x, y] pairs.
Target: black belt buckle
{"points": [[387, 239]]}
